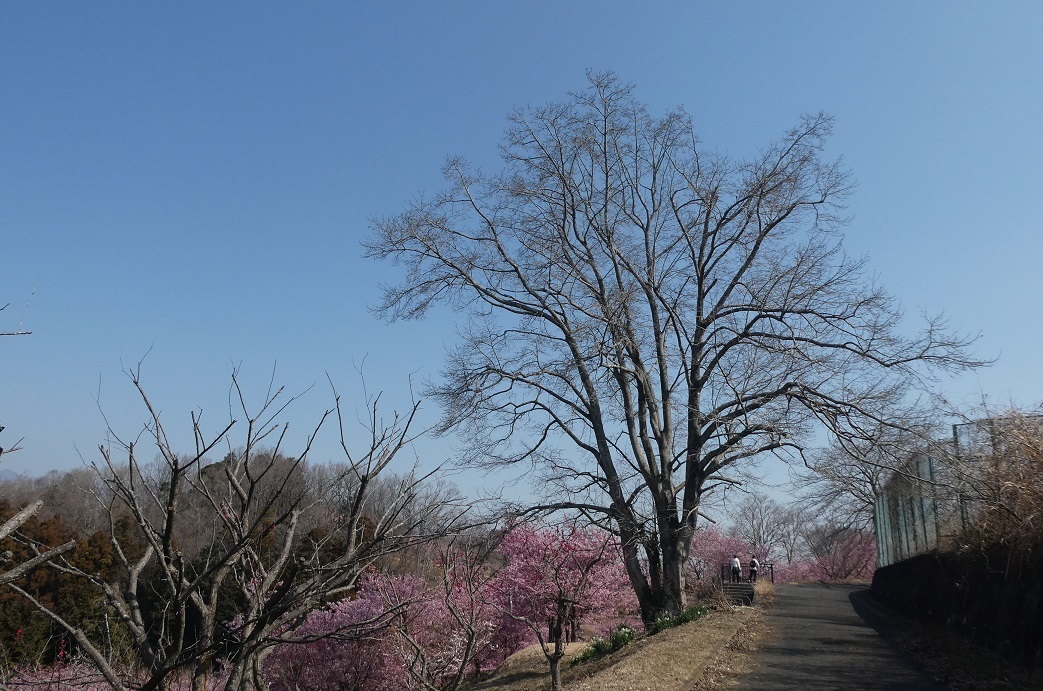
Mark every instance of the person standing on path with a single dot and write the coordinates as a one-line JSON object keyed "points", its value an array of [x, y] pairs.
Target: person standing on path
{"points": [[736, 569], [754, 565]]}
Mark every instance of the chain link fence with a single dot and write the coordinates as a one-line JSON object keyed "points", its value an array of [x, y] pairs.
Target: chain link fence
{"points": [[933, 496]]}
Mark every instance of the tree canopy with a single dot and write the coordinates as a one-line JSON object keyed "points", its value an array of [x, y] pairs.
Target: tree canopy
{"points": [[646, 314]]}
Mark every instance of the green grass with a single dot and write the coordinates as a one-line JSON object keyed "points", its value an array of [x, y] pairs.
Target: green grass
{"points": [[668, 621], [599, 647], [625, 634]]}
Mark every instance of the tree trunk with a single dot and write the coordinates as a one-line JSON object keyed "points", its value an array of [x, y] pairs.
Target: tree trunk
{"points": [[200, 673], [557, 627], [673, 580], [646, 592], [661, 591], [555, 673]]}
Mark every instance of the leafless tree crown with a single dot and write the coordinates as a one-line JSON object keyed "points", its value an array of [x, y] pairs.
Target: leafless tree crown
{"points": [[646, 314]]}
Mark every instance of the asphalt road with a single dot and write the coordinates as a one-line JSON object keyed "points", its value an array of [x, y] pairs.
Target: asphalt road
{"points": [[822, 638]]}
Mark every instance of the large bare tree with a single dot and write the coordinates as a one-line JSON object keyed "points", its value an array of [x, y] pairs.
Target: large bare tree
{"points": [[762, 522], [646, 315]]}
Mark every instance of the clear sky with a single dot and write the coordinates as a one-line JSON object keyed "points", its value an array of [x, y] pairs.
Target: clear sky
{"points": [[192, 180]]}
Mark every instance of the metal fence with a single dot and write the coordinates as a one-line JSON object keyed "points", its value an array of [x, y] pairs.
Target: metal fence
{"points": [[935, 494], [906, 515]]}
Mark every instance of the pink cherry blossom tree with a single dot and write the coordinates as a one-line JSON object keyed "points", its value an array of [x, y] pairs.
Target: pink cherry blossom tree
{"points": [[710, 549], [832, 554], [348, 646], [843, 552], [399, 632], [557, 577], [442, 630]]}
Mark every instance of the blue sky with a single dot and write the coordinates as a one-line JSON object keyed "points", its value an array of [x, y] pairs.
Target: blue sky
{"points": [[192, 180]]}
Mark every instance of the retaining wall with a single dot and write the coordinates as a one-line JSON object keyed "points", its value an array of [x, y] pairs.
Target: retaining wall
{"points": [[989, 598]]}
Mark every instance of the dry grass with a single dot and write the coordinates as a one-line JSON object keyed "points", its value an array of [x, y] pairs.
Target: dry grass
{"points": [[734, 659], [527, 669], [674, 660]]}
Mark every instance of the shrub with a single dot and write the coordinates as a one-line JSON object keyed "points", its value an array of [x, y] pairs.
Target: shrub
{"points": [[621, 637], [667, 621]]}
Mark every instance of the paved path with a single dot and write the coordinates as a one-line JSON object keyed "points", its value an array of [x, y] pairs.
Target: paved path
{"points": [[822, 638]]}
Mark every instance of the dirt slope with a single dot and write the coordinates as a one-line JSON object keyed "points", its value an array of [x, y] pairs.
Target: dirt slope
{"points": [[674, 660]]}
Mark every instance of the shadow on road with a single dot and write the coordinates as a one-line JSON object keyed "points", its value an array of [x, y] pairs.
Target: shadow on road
{"points": [[826, 637]]}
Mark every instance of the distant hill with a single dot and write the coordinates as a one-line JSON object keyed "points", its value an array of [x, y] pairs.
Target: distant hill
{"points": [[6, 475]]}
